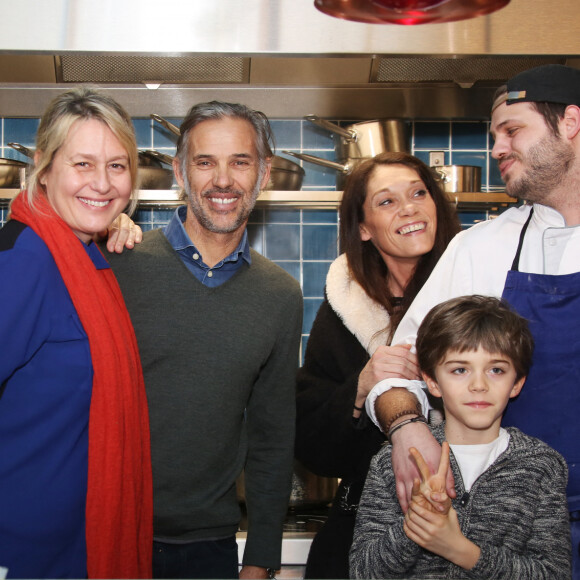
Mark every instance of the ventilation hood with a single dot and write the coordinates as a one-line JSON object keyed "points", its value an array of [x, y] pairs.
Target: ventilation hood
{"points": [[281, 56]]}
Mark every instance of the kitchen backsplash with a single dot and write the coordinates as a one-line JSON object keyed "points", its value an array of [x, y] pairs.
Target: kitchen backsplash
{"points": [[302, 241]]}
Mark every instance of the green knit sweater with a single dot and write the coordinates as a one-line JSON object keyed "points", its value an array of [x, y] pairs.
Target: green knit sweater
{"points": [[220, 369]]}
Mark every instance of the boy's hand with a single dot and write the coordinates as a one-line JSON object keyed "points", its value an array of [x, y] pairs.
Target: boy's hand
{"points": [[430, 491], [441, 534]]}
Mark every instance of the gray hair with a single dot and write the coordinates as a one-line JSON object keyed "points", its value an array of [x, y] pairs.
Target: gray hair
{"points": [[216, 110]]}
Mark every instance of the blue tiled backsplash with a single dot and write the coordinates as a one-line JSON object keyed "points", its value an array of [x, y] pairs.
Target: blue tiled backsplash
{"points": [[304, 242]]}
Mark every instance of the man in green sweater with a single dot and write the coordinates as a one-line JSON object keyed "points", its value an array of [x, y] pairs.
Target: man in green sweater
{"points": [[218, 327]]}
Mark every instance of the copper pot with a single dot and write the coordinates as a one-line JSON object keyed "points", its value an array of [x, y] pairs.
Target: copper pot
{"points": [[408, 12]]}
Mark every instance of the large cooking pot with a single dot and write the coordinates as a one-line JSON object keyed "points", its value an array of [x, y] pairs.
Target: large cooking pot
{"points": [[285, 175], [151, 173], [307, 489], [459, 178], [358, 142], [366, 139], [12, 173]]}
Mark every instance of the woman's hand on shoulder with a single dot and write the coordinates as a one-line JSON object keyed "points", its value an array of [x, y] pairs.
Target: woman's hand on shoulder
{"points": [[122, 233]]}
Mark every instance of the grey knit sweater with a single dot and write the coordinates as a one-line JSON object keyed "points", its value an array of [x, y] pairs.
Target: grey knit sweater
{"points": [[516, 512], [220, 369]]}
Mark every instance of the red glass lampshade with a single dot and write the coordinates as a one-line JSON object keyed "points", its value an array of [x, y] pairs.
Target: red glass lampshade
{"points": [[408, 12]]}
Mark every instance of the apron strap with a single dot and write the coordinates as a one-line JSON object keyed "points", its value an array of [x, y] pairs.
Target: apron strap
{"points": [[516, 262]]}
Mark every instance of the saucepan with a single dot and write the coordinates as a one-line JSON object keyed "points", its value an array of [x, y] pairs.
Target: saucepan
{"points": [[152, 173], [459, 178], [285, 175], [358, 142], [367, 138], [12, 173]]}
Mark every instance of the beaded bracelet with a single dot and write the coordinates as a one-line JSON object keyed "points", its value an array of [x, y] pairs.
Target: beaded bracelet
{"points": [[419, 419], [415, 411]]}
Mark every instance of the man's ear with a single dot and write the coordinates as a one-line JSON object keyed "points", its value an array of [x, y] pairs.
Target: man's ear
{"points": [[432, 385], [570, 124], [266, 176], [177, 171], [517, 387]]}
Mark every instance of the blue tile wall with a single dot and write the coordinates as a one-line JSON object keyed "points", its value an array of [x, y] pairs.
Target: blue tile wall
{"points": [[303, 242]]}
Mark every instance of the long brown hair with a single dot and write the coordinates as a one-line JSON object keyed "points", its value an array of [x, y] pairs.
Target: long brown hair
{"points": [[365, 263]]}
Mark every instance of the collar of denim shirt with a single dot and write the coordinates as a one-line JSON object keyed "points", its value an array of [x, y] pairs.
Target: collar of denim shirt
{"points": [[182, 244]]}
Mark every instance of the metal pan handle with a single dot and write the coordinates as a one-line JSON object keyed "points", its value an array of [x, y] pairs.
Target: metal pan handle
{"points": [[348, 135], [169, 126], [21, 149]]}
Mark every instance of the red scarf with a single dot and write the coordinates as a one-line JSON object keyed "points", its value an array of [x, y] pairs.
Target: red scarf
{"points": [[119, 510]]}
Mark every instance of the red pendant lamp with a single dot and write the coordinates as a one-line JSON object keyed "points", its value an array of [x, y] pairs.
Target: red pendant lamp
{"points": [[408, 12]]}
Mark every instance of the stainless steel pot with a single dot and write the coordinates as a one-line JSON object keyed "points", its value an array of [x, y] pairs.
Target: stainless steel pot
{"points": [[12, 173], [358, 142], [366, 139], [459, 178], [285, 175], [151, 172], [307, 488]]}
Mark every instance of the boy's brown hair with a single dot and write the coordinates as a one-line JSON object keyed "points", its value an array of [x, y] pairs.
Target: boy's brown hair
{"points": [[468, 322]]}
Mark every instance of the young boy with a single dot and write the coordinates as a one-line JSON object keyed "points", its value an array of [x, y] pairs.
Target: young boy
{"points": [[510, 518]]}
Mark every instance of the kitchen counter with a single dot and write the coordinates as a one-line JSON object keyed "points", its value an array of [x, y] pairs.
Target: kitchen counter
{"points": [[295, 548]]}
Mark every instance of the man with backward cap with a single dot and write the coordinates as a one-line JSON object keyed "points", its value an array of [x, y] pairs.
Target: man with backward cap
{"points": [[530, 255]]}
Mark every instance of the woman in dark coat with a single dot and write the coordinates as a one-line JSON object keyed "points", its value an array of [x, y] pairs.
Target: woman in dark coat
{"points": [[395, 222]]}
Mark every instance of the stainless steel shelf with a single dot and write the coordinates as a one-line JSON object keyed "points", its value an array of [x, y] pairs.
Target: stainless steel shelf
{"points": [[304, 198]]}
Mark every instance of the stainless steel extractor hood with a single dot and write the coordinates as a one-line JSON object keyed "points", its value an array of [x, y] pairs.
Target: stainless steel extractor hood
{"points": [[282, 56]]}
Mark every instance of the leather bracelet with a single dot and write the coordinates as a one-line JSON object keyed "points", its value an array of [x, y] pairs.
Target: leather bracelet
{"points": [[415, 411], [419, 419], [357, 408]]}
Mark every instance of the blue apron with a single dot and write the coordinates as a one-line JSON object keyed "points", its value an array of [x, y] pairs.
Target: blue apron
{"points": [[549, 405]]}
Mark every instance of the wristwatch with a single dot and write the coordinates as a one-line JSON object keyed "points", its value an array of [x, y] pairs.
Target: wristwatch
{"points": [[271, 573]]}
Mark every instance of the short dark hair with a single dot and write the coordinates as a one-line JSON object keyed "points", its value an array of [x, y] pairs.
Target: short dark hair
{"points": [[469, 322]]}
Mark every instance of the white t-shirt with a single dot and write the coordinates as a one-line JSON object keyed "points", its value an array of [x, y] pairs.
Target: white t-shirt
{"points": [[473, 460]]}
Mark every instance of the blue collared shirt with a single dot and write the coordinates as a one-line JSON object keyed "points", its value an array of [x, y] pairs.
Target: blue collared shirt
{"points": [[177, 236]]}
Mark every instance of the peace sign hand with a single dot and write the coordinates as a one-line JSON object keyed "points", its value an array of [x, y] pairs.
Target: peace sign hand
{"points": [[429, 492]]}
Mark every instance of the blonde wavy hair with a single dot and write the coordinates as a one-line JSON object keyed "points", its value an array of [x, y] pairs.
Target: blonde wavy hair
{"points": [[81, 103]]}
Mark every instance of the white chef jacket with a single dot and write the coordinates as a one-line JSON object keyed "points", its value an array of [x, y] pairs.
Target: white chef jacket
{"points": [[477, 262]]}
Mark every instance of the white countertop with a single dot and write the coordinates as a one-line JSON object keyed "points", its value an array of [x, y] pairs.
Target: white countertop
{"points": [[295, 547]]}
